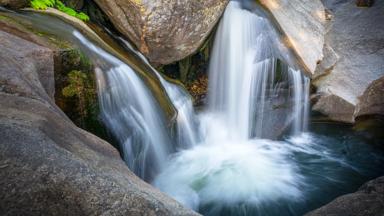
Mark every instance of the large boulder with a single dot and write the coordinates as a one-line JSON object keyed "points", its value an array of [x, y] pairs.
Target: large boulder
{"points": [[372, 100], [164, 31], [48, 165], [342, 46], [367, 201], [357, 37]]}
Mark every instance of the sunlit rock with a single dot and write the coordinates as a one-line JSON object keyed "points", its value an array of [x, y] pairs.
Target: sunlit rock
{"points": [[342, 47], [303, 25], [165, 31], [354, 59]]}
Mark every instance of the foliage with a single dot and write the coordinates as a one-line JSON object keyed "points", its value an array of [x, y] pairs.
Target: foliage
{"points": [[44, 4], [76, 92], [79, 86], [198, 89], [61, 6]]}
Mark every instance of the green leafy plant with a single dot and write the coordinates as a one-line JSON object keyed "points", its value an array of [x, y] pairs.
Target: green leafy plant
{"points": [[44, 4]]}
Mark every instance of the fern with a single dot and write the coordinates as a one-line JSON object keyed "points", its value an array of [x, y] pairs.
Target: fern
{"points": [[44, 4], [82, 16]]}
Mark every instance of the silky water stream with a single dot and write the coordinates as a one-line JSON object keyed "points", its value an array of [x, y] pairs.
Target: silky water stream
{"points": [[256, 91], [250, 151]]}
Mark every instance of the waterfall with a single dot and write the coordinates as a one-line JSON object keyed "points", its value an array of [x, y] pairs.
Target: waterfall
{"points": [[131, 113], [222, 160], [133, 102], [187, 132], [301, 103], [244, 76], [252, 93], [248, 76], [221, 156]]}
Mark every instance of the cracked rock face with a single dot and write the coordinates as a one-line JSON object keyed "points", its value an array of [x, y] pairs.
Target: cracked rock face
{"points": [[164, 31], [342, 46]]}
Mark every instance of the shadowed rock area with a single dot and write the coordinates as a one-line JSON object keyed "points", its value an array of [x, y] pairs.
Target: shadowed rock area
{"points": [[48, 165], [14, 4]]}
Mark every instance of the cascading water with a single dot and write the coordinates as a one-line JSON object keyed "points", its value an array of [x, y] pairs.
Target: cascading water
{"points": [[223, 167], [301, 105], [187, 133], [244, 73], [131, 113], [253, 95], [227, 166], [128, 106]]}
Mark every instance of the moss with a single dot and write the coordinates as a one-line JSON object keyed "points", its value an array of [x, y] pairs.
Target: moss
{"points": [[24, 26], [44, 4], [80, 106], [76, 91], [3, 17], [82, 90]]}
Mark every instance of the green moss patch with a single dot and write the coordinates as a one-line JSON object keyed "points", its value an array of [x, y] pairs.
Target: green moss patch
{"points": [[44, 4]]}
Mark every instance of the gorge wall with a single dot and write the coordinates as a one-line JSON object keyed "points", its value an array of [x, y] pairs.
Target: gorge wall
{"points": [[343, 48]]}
